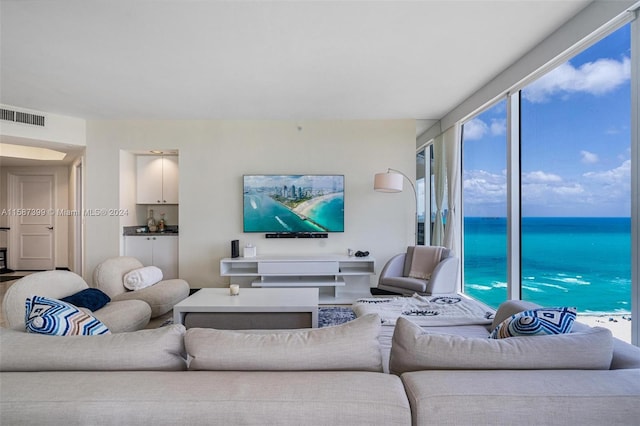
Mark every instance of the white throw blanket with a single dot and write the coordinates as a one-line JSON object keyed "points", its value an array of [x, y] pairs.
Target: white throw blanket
{"points": [[142, 277], [447, 310]]}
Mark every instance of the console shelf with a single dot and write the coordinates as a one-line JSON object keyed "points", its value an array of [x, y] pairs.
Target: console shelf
{"points": [[302, 271]]}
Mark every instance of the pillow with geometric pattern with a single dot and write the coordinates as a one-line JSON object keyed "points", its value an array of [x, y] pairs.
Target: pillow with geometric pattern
{"points": [[536, 322], [57, 318]]}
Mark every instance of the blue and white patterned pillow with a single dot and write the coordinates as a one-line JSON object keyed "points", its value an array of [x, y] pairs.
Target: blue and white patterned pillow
{"points": [[535, 322], [57, 318]]}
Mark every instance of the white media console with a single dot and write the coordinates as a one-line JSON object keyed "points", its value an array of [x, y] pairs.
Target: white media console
{"points": [[350, 274]]}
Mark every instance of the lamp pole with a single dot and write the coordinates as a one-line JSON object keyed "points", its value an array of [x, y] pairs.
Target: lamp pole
{"points": [[415, 196]]}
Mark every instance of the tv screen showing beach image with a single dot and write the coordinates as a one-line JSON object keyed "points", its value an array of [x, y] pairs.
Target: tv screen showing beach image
{"points": [[293, 203]]}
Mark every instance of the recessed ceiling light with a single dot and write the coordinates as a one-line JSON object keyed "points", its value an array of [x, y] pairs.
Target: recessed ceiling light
{"points": [[30, 152]]}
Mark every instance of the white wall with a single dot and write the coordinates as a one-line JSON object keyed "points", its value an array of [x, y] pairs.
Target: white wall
{"points": [[213, 157]]}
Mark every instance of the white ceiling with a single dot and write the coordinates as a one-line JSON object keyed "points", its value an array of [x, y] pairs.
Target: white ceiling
{"points": [[294, 60]]}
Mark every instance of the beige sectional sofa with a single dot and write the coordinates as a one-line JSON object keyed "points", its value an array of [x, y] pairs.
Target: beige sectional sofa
{"points": [[326, 376], [583, 378]]}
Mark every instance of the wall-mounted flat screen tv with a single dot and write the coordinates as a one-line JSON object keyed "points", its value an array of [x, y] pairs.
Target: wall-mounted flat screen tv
{"points": [[293, 203]]}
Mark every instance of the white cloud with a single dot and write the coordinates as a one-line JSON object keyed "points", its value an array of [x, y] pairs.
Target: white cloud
{"points": [[483, 186], [474, 129], [540, 177], [498, 127], [589, 157], [596, 78], [544, 193], [619, 176]]}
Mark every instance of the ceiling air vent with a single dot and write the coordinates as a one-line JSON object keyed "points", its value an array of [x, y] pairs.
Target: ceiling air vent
{"points": [[21, 117]]}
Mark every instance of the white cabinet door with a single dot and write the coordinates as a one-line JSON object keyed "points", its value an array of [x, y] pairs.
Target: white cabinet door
{"points": [[139, 247], [160, 251], [170, 179], [157, 179], [165, 255], [149, 179]]}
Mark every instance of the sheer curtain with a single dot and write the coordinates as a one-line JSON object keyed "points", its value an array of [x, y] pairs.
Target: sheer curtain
{"points": [[452, 157], [439, 175]]}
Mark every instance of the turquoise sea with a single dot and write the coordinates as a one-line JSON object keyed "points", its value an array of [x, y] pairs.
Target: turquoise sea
{"points": [[263, 214], [581, 262]]}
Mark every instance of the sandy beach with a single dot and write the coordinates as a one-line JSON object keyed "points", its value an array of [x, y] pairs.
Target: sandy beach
{"points": [[305, 207], [620, 325]]}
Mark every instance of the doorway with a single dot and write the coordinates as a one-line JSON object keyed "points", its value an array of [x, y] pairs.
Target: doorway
{"points": [[31, 204]]}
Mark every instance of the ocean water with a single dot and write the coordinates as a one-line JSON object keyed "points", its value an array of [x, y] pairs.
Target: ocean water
{"points": [[581, 262], [263, 214]]}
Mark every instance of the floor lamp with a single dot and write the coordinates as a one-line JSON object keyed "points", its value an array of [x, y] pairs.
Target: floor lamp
{"points": [[391, 181]]}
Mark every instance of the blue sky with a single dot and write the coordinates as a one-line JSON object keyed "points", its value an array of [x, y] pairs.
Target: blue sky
{"points": [[575, 140]]}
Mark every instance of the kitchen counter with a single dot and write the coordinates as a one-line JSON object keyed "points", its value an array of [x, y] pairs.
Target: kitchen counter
{"points": [[132, 231]]}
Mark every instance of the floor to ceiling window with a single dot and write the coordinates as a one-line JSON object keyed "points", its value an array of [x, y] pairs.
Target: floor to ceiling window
{"points": [[484, 162], [576, 196], [574, 187]]}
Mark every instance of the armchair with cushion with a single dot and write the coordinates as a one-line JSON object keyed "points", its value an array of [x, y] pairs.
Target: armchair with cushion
{"points": [[118, 316], [426, 270], [162, 296]]}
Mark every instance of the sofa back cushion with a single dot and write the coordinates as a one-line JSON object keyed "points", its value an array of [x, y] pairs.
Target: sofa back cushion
{"points": [[350, 346], [414, 350], [157, 349]]}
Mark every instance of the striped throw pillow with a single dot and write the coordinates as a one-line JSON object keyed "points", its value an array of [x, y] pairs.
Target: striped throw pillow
{"points": [[542, 321], [57, 318]]}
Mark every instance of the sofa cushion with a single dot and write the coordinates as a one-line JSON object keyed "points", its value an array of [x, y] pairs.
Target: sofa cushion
{"points": [[161, 297], [54, 317], [350, 346], [90, 298], [124, 315], [157, 349], [413, 350], [536, 322], [511, 397], [227, 398]]}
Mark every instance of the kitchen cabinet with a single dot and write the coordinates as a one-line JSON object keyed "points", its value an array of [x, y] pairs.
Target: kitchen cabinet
{"points": [[155, 250], [157, 179]]}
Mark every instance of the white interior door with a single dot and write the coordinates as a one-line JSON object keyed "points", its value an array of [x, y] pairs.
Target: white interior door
{"points": [[32, 219]]}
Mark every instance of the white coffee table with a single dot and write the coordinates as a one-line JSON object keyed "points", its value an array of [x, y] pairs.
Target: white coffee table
{"points": [[253, 308]]}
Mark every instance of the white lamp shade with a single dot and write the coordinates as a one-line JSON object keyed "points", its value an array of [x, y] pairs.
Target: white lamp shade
{"points": [[387, 182]]}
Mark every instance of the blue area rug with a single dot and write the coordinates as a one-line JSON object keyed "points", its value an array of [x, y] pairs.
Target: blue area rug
{"points": [[334, 315]]}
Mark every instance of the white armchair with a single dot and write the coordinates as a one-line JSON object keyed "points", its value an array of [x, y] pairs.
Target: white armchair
{"points": [[161, 297], [443, 280], [118, 316]]}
